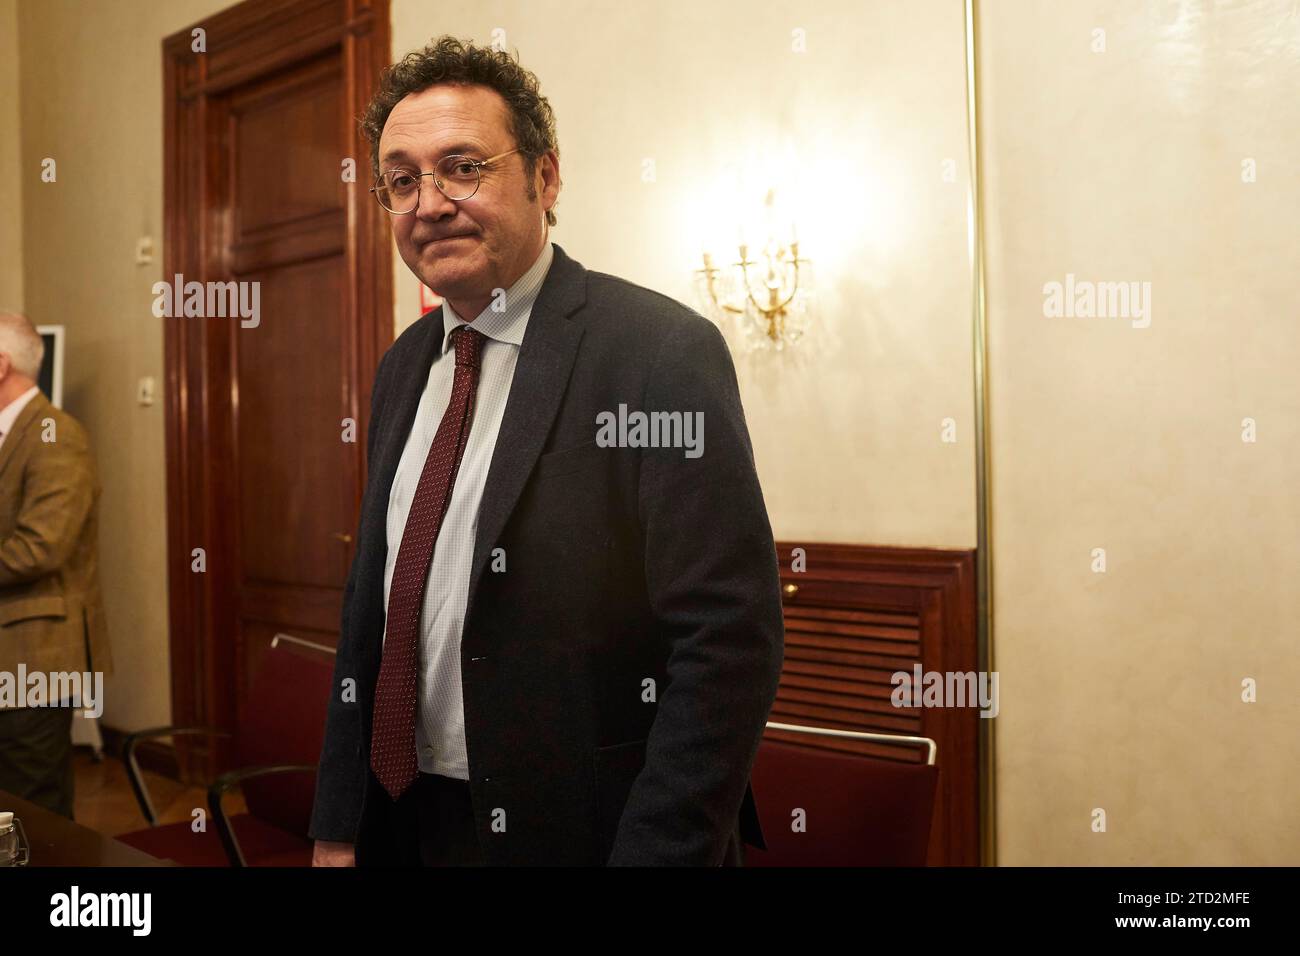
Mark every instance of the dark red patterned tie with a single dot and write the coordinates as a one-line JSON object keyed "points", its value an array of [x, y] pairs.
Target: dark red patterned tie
{"points": [[392, 739]]}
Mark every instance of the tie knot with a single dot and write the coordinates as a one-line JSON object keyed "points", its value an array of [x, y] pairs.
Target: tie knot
{"points": [[468, 344]]}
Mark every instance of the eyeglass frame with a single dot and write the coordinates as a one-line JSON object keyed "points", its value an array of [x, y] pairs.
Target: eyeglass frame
{"points": [[478, 165]]}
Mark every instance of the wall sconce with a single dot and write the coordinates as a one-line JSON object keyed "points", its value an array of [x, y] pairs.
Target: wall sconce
{"points": [[767, 299]]}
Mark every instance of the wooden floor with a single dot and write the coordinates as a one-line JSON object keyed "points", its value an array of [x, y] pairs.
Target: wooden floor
{"points": [[104, 800]]}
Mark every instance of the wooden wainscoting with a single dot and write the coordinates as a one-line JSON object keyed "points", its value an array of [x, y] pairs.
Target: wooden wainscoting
{"points": [[853, 618]]}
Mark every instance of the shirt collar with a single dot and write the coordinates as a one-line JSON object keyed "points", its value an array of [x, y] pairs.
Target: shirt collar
{"points": [[9, 414], [509, 325]]}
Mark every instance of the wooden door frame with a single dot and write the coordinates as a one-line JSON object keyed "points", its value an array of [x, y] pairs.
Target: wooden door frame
{"points": [[242, 43]]}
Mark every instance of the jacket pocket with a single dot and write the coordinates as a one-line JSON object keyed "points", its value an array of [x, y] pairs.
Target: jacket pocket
{"points": [[568, 460], [616, 770], [48, 606]]}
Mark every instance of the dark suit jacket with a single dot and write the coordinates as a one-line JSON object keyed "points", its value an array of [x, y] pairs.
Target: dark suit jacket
{"points": [[618, 673]]}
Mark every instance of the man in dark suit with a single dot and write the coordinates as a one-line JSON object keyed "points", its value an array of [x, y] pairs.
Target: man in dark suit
{"points": [[562, 630]]}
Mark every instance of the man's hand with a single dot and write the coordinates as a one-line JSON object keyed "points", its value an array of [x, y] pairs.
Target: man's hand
{"points": [[333, 854]]}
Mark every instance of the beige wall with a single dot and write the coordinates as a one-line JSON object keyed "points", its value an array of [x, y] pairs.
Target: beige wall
{"points": [[92, 101], [11, 197], [1122, 690], [848, 443]]}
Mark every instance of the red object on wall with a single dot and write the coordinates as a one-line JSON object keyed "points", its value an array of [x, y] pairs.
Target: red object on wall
{"points": [[428, 299]]}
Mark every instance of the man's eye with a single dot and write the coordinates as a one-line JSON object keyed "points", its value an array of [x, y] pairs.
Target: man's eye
{"points": [[401, 181]]}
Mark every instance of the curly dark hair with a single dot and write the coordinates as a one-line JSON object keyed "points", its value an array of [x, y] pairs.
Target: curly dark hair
{"points": [[447, 60]]}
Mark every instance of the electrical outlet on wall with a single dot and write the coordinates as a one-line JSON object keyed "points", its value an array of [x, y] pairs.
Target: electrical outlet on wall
{"points": [[144, 250], [144, 391]]}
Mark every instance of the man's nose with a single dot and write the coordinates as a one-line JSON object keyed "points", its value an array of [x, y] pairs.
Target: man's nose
{"points": [[433, 205]]}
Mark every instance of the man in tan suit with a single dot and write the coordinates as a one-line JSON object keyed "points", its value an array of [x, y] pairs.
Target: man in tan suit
{"points": [[51, 611]]}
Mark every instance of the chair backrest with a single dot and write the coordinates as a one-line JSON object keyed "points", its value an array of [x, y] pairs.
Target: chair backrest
{"points": [[858, 811], [283, 722]]}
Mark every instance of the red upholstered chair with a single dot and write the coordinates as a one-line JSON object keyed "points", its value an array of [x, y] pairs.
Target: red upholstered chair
{"points": [[277, 745], [860, 811]]}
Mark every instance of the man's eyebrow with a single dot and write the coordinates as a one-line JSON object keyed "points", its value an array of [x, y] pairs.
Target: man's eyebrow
{"points": [[459, 149], [393, 155], [462, 148]]}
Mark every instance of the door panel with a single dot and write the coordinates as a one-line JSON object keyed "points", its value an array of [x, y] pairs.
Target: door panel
{"points": [[261, 474], [295, 470]]}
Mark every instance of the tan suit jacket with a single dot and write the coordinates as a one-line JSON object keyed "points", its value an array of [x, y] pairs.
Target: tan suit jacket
{"points": [[51, 608]]}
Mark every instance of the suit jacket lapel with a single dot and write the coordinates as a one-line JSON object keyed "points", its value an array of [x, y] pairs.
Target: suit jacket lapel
{"points": [[33, 409], [541, 376]]}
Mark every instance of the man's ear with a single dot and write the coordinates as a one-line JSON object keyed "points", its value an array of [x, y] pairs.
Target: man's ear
{"points": [[549, 168]]}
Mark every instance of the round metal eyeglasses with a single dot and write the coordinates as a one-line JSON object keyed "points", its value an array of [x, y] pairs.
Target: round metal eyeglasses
{"points": [[457, 178]]}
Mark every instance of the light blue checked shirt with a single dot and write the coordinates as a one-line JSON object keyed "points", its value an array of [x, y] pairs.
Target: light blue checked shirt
{"points": [[440, 719]]}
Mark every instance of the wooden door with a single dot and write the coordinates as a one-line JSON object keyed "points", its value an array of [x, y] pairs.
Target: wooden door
{"points": [[267, 409]]}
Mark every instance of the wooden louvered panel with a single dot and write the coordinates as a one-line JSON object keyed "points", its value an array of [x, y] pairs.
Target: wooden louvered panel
{"points": [[849, 712], [842, 659], [871, 678], [863, 712], [854, 617], [865, 618], [797, 636], [869, 687], [865, 669], [799, 657], [893, 628]]}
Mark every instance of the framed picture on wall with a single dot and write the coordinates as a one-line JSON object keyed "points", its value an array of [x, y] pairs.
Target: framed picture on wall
{"points": [[428, 299], [51, 377]]}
